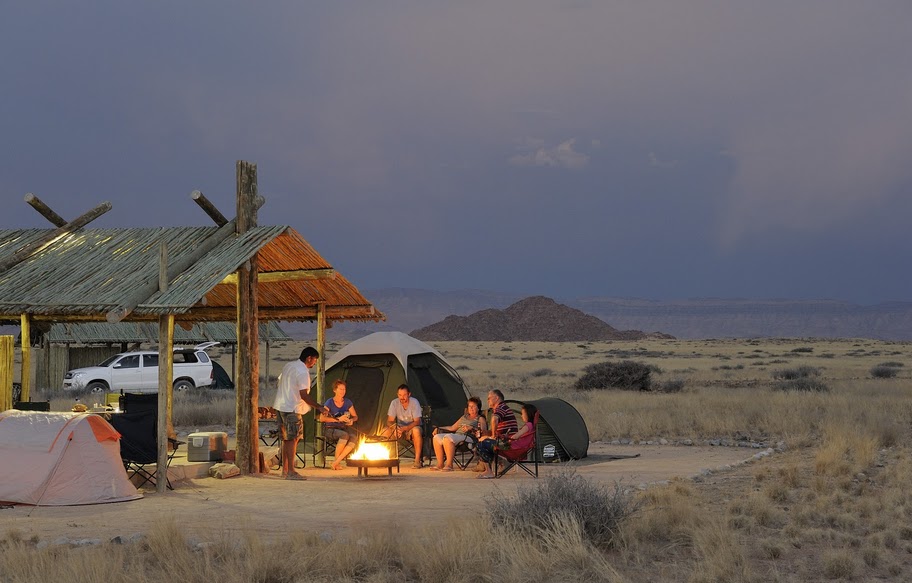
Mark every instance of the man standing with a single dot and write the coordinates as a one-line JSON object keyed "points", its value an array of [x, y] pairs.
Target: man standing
{"points": [[503, 424], [404, 420], [292, 401]]}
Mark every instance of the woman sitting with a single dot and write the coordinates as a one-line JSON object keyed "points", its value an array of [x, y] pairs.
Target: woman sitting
{"points": [[467, 428], [338, 423]]}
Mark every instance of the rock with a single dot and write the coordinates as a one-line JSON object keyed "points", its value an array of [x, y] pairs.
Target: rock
{"points": [[663, 441], [688, 442]]}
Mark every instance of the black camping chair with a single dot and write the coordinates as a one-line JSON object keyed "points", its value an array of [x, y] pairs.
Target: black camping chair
{"points": [[32, 405], [138, 427]]}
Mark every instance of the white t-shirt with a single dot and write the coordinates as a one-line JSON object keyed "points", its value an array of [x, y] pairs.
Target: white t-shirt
{"points": [[295, 377], [403, 415]]}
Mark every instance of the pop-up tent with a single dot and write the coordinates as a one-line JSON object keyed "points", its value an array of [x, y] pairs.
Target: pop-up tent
{"points": [[562, 432], [60, 459], [374, 366]]}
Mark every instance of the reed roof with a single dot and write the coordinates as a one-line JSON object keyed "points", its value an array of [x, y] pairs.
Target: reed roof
{"points": [[85, 274]]}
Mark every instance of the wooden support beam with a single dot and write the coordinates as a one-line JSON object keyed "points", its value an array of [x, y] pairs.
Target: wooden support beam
{"points": [[25, 374], [44, 210], [165, 381], [294, 275], [290, 313], [209, 208], [248, 377], [321, 369], [25, 252]]}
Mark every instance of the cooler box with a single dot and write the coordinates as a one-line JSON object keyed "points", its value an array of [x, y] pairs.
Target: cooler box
{"points": [[206, 446]]}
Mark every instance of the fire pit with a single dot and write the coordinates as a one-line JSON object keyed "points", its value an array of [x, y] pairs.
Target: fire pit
{"points": [[375, 453], [365, 465]]}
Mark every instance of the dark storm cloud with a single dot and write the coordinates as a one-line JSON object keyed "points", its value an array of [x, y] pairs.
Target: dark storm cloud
{"points": [[660, 149]]}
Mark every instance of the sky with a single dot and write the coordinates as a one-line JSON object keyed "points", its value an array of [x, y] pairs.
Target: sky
{"points": [[654, 149]]}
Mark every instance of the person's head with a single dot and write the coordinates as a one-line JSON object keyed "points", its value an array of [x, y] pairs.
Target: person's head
{"points": [[309, 356], [528, 412], [473, 406], [339, 388], [495, 397], [403, 393]]}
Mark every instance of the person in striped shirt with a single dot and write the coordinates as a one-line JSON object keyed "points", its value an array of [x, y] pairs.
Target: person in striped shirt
{"points": [[503, 425]]}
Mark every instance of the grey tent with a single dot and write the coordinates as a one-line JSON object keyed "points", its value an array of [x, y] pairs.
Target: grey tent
{"points": [[374, 366], [562, 432]]}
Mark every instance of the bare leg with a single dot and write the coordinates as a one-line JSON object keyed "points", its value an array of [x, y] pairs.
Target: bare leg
{"points": [[289, 448], [450, 448], [416, 439], [438, 450]]}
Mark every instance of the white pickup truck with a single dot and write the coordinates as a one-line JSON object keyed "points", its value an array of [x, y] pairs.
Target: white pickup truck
{"points": [[137, 372]]}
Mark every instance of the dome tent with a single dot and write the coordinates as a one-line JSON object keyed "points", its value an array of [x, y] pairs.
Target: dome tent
{"points": [[60, 459], [374, 366], [562, 431]]}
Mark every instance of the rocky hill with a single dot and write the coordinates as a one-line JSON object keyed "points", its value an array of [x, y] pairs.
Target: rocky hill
{"points": [[408, 309], [533, 319]]}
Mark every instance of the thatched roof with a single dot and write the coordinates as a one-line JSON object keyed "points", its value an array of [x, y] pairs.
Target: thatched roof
{"points": [[89, 273], [105, 332]]}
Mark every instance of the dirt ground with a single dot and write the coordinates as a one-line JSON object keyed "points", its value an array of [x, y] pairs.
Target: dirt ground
{"points": [[334, 501]]}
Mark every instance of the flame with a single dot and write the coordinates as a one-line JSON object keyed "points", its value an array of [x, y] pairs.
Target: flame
{"points": [[371, 451]]}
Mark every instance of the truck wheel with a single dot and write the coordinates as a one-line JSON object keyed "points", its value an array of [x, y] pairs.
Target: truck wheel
{"points": [[182, 385], [97, 387]]}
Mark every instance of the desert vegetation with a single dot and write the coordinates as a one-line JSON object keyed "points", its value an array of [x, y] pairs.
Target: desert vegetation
{"points": [[834, 502]]}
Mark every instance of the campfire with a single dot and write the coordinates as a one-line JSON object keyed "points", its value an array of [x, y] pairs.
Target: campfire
{"points": [[375, 453]]}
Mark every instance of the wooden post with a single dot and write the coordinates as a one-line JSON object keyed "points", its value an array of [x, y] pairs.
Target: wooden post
{"points": [[45, 210], [248, 381], [321, 366], [165, 379], [7, 357], [25, 374]]}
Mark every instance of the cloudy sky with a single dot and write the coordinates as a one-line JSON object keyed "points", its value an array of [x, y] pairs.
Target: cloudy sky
{"points": [[571, 148]]}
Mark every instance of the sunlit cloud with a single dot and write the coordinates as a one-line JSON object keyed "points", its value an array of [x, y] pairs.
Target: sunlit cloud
{"points": [[561, 156]]}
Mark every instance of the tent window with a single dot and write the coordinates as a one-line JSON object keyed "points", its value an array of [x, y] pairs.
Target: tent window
{"points": [[433, 391]]}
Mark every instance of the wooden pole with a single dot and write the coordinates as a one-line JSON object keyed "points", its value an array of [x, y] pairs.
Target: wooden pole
{"points": [[25, 374], [209, 208], [165, 379], [321, 365], [7, 357], [45, 210], [248, 387]]}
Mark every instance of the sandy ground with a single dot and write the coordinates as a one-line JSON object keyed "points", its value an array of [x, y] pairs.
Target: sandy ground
{"points": [[340, 500]]}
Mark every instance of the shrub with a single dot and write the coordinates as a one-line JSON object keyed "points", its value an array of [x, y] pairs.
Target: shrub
{"points": [[883, 372], [803, 349], [542, 372], [802, 384], [673, 386], [598, 509], [802, 372], [626, 375]]}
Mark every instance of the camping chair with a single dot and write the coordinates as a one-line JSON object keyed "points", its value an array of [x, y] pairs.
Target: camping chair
{"points": [[519, 457], [139, 445], [465, 451], [32, 406], [327, 447]]}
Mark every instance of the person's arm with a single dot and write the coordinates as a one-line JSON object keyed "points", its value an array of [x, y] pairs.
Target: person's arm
{"points": [[305, 396], [522, 431], [352, 415], [448, 428]]}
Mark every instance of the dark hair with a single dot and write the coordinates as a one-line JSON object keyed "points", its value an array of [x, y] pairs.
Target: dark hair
{"points": [[498, 393], [338, 382], [404, 386], [530, 410], [308, 352], [477, 402]]}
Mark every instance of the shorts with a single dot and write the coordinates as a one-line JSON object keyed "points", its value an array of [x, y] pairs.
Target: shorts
{"points": [[485, 450], [339, 433], [291, 425]]}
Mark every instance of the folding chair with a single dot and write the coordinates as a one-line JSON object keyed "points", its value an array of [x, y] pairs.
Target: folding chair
{"points": [[139, 445], [519, 457], [465, 453]]}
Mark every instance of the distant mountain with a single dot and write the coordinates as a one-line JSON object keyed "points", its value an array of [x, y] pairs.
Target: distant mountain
{"points": [[535, 319], [410, 309]]}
